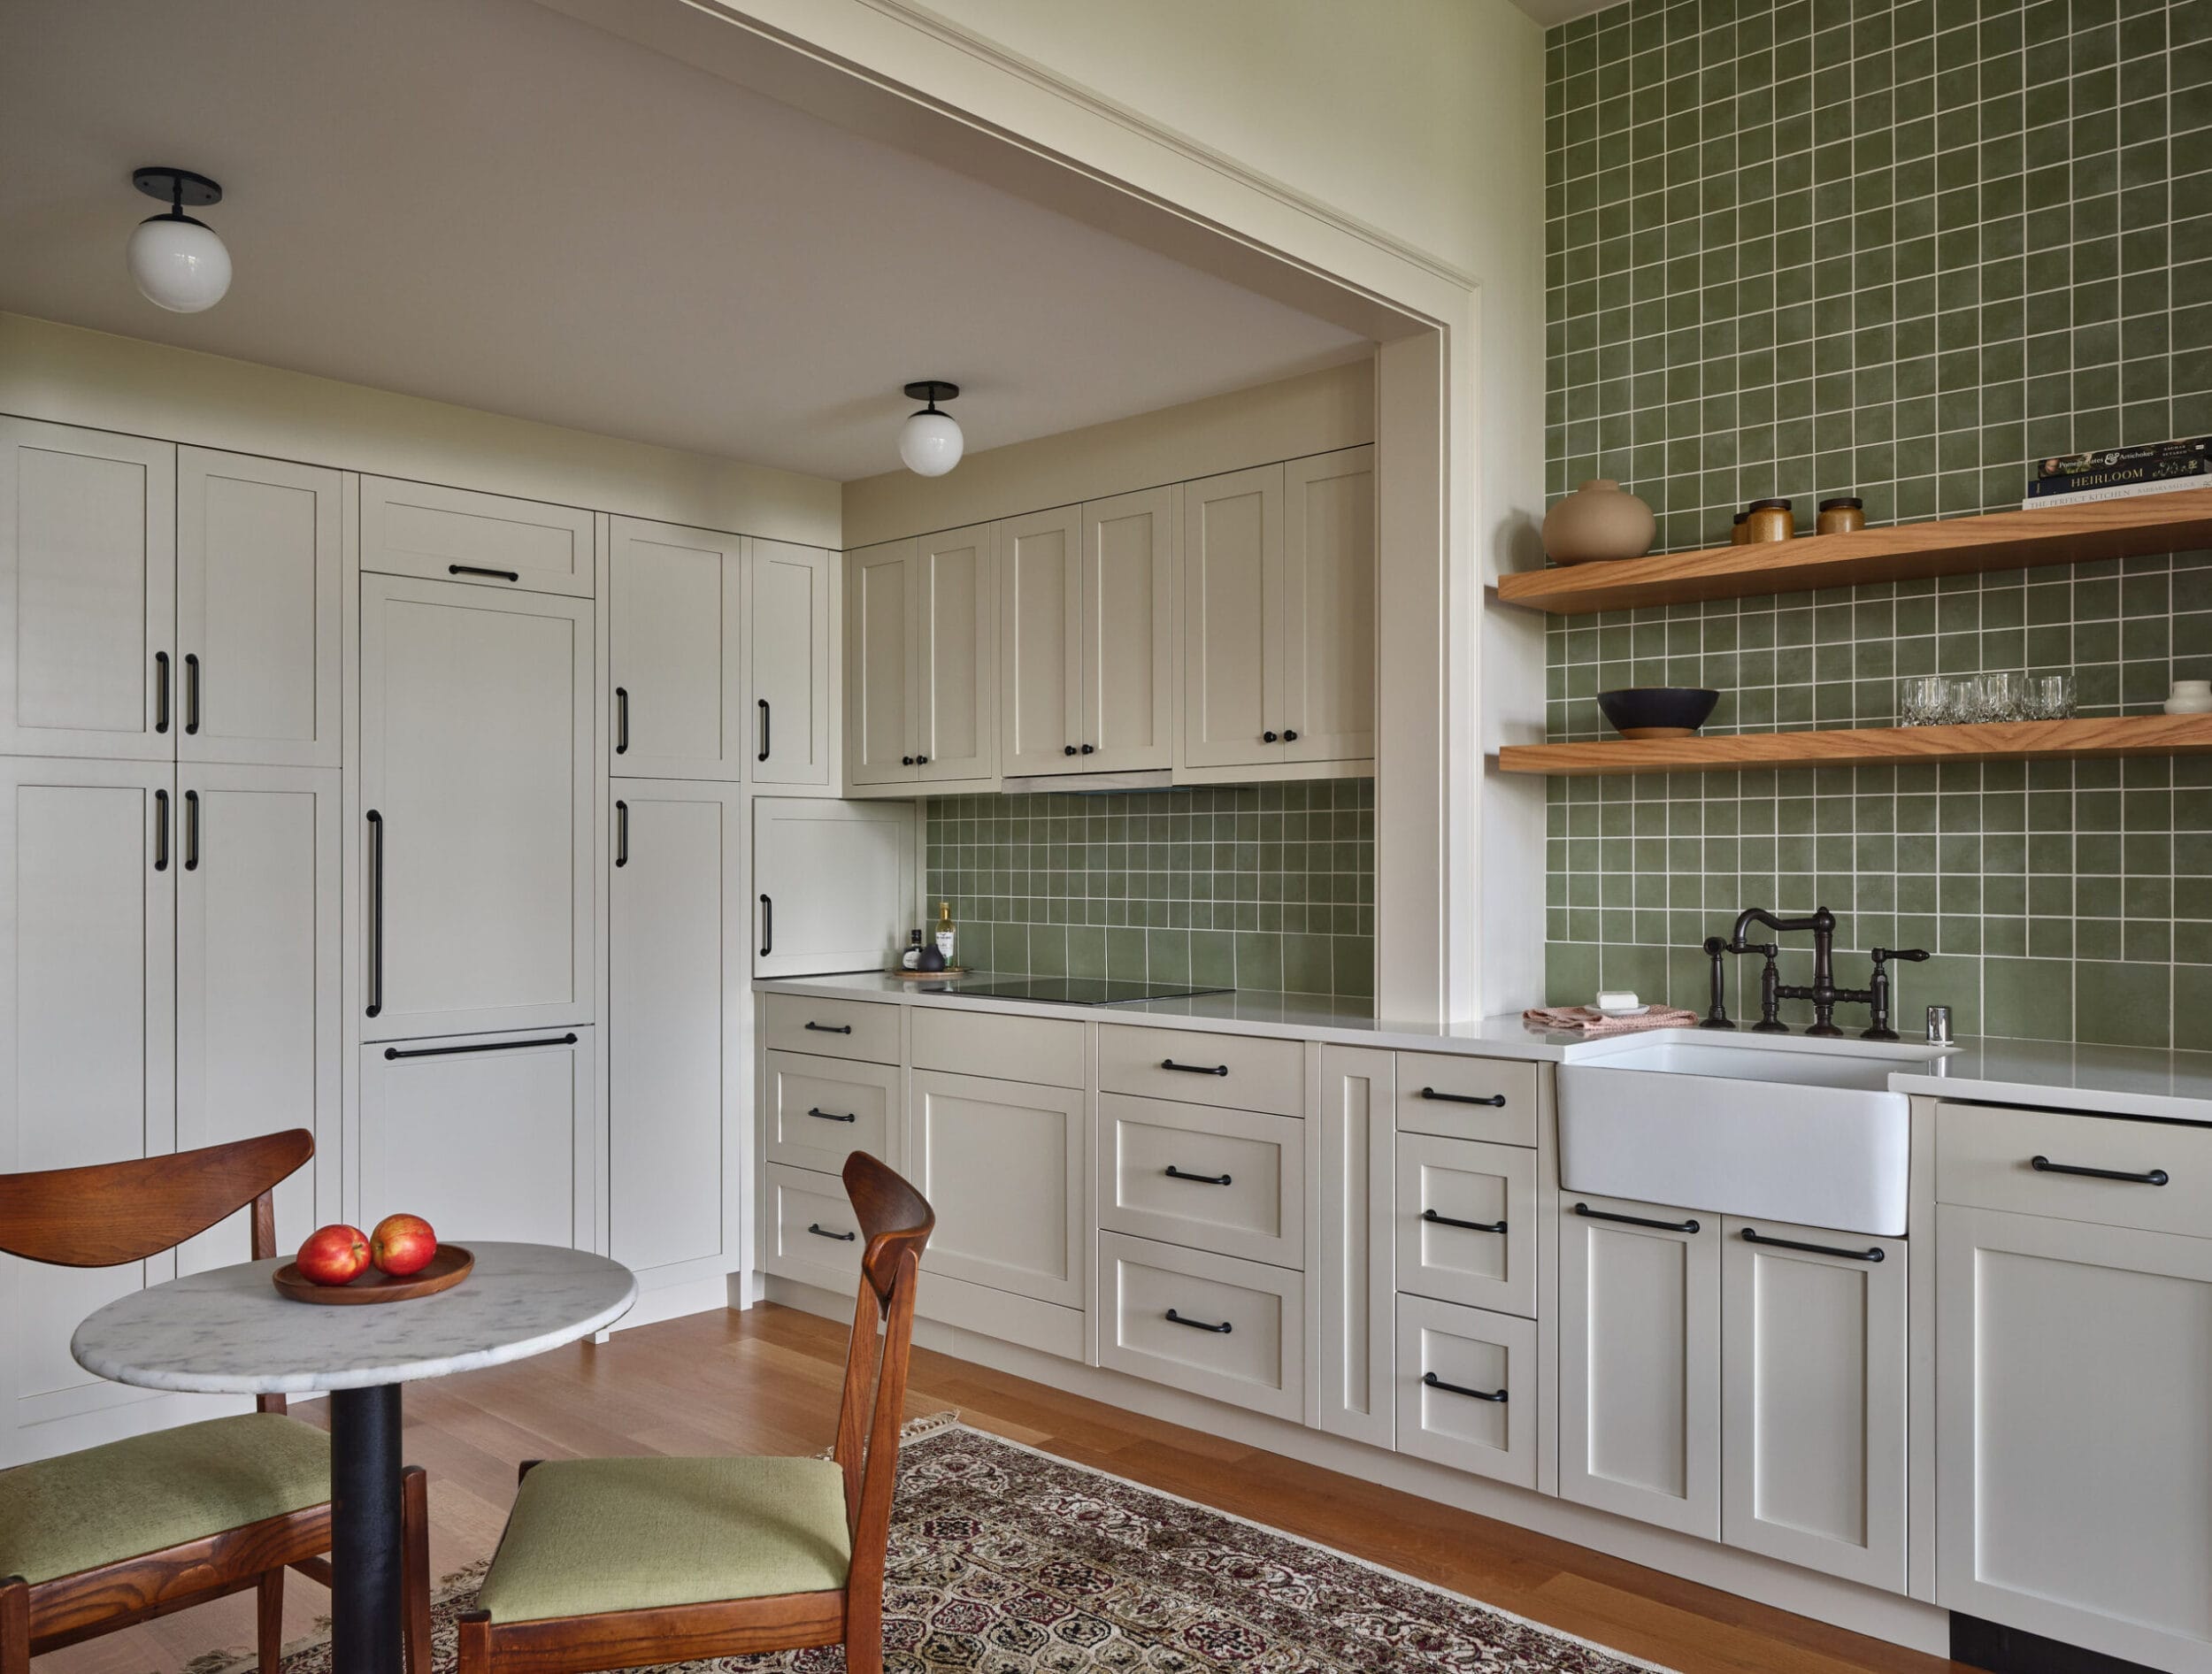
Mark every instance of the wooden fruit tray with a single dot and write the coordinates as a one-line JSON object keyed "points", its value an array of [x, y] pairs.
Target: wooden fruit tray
{"points": [[448, 1268]]}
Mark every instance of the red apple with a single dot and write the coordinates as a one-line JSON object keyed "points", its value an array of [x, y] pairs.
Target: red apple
{"points": [[402, 1244], [335, 1255]]}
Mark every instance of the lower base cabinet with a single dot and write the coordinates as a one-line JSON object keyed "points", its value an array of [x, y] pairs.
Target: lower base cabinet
{"points": [[1004, 1163], [809, 1231], [1468, 1393], [493, 1137], [1212, 1325], [2074, 1432]]}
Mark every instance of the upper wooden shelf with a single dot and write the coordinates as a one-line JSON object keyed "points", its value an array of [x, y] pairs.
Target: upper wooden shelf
{"points": [[1871, 747], [1901, 552]]}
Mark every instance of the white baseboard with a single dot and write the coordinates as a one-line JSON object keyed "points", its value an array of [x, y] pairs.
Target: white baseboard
{"points": [[1883, 1615]]}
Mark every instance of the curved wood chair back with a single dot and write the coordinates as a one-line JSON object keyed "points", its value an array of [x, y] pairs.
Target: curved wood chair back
{"points": [[897, 1221], [115, 1212]]}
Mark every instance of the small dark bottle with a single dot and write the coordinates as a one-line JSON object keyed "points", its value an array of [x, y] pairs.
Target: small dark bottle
{"points": [[932, 960]]}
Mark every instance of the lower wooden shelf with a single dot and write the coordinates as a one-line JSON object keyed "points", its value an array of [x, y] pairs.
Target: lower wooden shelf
{"points": [[1871, 746]]}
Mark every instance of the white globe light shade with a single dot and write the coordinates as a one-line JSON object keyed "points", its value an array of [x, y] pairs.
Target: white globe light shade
{"points": [[179, 265], [931, 443]]}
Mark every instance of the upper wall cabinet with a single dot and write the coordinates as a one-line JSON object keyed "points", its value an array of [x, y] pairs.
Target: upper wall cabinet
{"points": [[921, 665], [789, 614], [454, 535], [258, 616], [676, 694], [1086, 636], [88, 593], [1278, 614]]}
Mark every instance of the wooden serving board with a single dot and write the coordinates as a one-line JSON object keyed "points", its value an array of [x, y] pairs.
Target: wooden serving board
{"points": [[448, 1268], [904, 975]]}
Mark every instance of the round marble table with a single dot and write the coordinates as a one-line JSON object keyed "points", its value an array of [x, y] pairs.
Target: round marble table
{"points": [[227, 1332]]}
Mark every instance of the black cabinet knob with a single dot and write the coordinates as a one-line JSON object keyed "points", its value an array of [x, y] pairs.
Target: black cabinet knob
{"points": [[921, 761], [1290, 737], [1267, 738], [906, 761], [1090, 750], [1067, 749]]}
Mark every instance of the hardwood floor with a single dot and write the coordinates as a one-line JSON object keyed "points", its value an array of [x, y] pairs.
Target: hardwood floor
{"points": [[766, 1381]]}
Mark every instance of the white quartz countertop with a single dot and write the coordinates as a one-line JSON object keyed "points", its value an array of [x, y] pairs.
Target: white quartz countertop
{"points": [[2138, 1081]]}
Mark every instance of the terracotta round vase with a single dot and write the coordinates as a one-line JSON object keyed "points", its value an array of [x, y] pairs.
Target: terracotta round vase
{"points": [[1597, 521]]}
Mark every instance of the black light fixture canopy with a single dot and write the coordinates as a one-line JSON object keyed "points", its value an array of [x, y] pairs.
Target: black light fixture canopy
{"points": [[931, 390], [177, 187]]}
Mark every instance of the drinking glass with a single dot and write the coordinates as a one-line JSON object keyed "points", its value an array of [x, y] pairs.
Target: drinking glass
{"points": [[2054, 697], [1921, 700], [2005, 697]]}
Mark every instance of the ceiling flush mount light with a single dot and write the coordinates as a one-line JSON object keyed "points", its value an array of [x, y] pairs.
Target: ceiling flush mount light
{"points": [[178, 262], [930, 441]]}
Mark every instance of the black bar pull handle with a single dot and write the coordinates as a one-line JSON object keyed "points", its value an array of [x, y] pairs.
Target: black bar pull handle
{"points": [[1434, 1219], [376, 912], [1194, 1069], [762, 754], [1589, 1214], [621, 833], [1431, 1380], [1496, 1099], [191, 831], [478, 569], [191, 694], [831, 1028], [767, 927], [161, 691], [1175, 1173], [1222, 1330], [479, 1046], [622, 721], [835, 1116], [819, 1230], [161, 830], [1872, 1252], [2148, 1176]]}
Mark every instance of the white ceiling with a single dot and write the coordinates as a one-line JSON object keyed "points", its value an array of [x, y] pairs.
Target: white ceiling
{"points": [[483, 202]]}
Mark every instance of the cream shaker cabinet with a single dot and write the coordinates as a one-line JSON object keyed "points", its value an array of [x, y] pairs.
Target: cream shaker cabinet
{"points": [[1355, 1168], [832, 884], [2073, 1444], [1003, 1163], [1278, 614], [922, 663], [1813, 1399], [476, 851], [676, 987], [788, 661], [1040, 642], [480, 540], [1639, 1354], [675, 639]]}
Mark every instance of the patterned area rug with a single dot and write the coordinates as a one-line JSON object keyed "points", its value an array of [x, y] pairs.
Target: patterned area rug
{"points": [[1007, 1560]]}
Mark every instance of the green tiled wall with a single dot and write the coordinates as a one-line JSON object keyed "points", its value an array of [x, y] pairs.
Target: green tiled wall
{"points": [[1268, 886], [1899, 251]]}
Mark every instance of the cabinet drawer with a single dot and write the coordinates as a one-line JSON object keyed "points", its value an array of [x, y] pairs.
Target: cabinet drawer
{"points": [[820, 1110], [1492, 1099], [833, 1028], [1212, 1325], [1467, 1222], [1987, 1157], [1231, 1181], [1244, 1071], [811, 1232], [1046, 1050], [487, 540], [1467, 1389]]}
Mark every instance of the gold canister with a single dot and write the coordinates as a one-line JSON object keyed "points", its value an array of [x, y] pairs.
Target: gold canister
{"points": [[1769, 520], [1842, 515], [1736, 536]]}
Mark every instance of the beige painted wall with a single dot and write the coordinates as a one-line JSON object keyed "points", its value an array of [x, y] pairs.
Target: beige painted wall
{"points": [[1316, 413], [68, 375]]}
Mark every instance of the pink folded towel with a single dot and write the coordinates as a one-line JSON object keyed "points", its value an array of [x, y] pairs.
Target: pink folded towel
{"points": [[1589, 1021]]}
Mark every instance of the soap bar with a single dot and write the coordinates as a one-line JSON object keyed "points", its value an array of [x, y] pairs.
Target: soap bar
{"points": [[1617, 1000]]}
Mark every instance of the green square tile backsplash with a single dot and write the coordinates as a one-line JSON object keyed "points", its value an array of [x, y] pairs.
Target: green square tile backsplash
{"points": [[1268, 886], [1899, 251]]}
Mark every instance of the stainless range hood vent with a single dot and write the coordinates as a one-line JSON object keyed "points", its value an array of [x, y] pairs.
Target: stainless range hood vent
{"points": [[1088, 784]]}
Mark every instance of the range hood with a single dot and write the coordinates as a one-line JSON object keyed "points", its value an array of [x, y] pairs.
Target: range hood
{"points": [[1086, 784]]}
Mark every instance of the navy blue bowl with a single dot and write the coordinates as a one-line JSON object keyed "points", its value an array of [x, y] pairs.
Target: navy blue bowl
{"points": [[1657, 712]]}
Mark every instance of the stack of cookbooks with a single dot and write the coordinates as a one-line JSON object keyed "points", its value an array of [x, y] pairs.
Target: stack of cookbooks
{"points": [[2120, 474]]}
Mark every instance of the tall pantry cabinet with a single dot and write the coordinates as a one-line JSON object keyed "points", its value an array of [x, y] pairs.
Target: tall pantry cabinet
{"points": [[170, 629]]}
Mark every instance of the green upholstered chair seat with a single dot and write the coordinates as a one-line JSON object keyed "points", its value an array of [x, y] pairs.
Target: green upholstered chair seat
{"points": [[149, 1493], [594, 1535]]}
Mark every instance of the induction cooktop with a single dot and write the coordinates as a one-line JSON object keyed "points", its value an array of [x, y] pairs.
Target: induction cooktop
{"points": [[1078, 990]]}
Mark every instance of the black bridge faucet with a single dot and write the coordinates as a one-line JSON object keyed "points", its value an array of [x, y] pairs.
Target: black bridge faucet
{"points": [[1822, 991]]}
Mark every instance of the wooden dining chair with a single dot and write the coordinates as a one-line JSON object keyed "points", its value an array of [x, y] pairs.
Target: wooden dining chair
{"points": [[96, 1540], [610, 1563]]}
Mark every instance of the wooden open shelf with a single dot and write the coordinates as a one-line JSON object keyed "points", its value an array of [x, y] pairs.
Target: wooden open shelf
{"points": [[1872, 746], [1904, 552]]}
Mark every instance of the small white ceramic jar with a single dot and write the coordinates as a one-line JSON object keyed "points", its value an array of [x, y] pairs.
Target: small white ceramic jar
{"points": [[2191, 697]]}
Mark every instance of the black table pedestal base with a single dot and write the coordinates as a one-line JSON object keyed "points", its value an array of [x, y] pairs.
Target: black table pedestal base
{"points": [[366, 1595]]}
